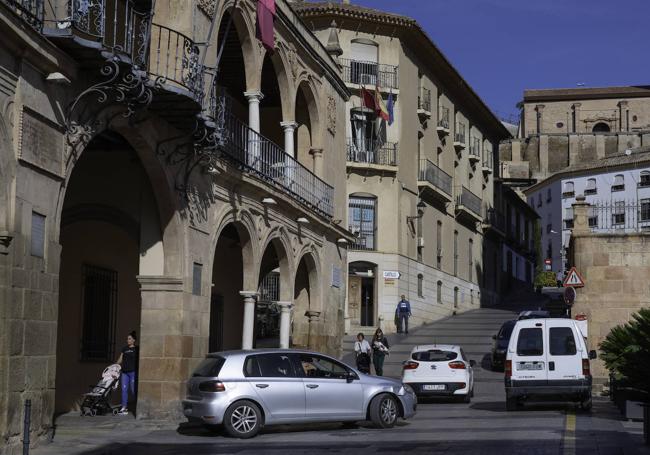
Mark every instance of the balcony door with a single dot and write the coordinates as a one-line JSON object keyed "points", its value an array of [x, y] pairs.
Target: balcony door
{"points": [[364, 56]]}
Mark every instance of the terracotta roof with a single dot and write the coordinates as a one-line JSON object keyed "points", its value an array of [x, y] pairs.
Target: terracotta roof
{"points": [[586, 93], [347, 10]]}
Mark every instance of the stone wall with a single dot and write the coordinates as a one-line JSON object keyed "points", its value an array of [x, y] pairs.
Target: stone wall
{"points": [[615, 268]]}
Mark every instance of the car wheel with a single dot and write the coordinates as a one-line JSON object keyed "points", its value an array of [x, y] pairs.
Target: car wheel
{"points": [[383, 411], [511, 404], [467, 398], [243, 419], [471, 393], [586, 404]]}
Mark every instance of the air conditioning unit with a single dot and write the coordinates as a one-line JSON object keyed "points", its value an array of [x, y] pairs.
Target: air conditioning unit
{"points": [[368, 79], [420, 242]]}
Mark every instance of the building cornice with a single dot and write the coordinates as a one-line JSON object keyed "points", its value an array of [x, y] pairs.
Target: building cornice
{"points": [[588, 93]]}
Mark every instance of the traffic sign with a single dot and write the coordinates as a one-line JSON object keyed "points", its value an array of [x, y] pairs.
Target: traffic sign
{"points": [[569, 296], [573, 279]]}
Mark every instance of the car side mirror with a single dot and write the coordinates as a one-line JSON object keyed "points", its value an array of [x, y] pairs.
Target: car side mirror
{"points": [[593, 355], [472, 363], [494, 337], [351, 376]]}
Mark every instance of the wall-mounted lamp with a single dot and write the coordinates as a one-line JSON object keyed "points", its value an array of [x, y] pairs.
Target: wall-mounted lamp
{"points": [[302, 220], [421, 206], [342, 241], [57, 78], [269, 201]]}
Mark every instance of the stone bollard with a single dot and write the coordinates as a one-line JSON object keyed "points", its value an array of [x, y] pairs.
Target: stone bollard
{"points": [[580, 215]]}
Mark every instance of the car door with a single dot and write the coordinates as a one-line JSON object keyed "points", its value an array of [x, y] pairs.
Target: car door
{"points": [[279, 388], [528, 352], [329, 394], [564, 352]]}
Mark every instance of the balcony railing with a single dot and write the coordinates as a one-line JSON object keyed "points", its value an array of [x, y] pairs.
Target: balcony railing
{"points": [[469, 200], [475, 147], [384, 154], [271, 164], [495, 218], [431, 173], [443, 117], [370, 73], [488, 162], [459, 137], [424, 99], [31, 11]]}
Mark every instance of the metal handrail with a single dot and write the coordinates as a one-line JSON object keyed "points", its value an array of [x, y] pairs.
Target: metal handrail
{"points": [[383, 153], [468, 199], [369, 73], [431, 173], [31, 11]]}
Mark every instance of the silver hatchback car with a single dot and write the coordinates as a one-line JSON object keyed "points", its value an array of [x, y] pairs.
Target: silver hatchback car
{"points": [[245, 390]]}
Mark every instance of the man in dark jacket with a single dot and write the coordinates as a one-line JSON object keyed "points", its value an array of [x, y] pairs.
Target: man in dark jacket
{"points": [[403, 312]]}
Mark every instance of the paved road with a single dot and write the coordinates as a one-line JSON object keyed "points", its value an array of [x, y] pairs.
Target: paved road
{"points": [[482, 427]]}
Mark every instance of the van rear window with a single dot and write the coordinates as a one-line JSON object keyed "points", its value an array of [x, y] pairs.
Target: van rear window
{"points": [[435, 355], [530, 342], [561, 341], [209, 367]]}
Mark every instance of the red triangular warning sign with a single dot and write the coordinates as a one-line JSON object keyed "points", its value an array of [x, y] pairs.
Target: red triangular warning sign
{"points": [[573, 279]]}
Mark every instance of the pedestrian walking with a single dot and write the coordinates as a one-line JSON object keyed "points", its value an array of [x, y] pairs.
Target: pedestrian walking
{"points": [[129, 361], [380, 349], [362, 350], [403, 312]]}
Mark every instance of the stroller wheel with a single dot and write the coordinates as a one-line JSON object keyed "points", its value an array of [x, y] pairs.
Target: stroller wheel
{"points": [[93, 412], [116, 411]]}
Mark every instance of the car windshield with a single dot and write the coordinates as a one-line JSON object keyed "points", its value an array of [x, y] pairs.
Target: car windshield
{"points": [[209, 367], [434, 355]]}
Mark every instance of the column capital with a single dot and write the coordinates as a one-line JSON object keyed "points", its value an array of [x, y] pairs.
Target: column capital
{"points": [[315, 151], [249, 294], [254, 95], [289, 125], [540, 107], [622, 103], [576, 105], [285, 306]]}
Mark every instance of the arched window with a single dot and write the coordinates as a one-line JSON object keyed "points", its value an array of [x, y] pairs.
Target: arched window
{"points": [[420, 285], [439, 292], [568, 190], [619, 183], [362, 220], [645, 179], [591, 187], [601, 127]]}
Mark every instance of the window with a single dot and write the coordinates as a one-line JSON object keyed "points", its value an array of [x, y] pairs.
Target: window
{"points": [[420, 285], [539, 199], [269, 366], [439, 292], [568, 218], [209, 368], [315, 366], [506, 330], [644, 213], [619, 183], [470, 255], [618, 215], [455, 253], [361, 221], [363, 67], [471, 296], [530, 342], [197, 270], [99, 298], [568, 190], [548, 195], [593, 221], [549, 250], [561, 341], [559, 124], [434, 355], [439, 244], [644, 179], [601, 127], [456, 297], [591, 187], [38, 235]]}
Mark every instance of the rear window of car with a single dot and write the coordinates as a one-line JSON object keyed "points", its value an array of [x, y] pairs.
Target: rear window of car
{"points": [[561, 341], [434, 355], [268, 366], [530, 342], [506, 330], [209, 367]]}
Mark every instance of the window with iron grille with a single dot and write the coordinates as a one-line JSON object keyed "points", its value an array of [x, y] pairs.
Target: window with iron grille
{"points": [[644, 211], [439, 292], [568, 190], [471, 259], [591, 187], [99, 300], [455, 253], [420, 285], [593, 221], [568, 218], [362, 221], [645, 179], [618, 215], [439, 244], [619, 183]]}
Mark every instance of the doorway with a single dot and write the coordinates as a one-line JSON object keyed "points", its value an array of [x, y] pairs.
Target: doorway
{"points": [[362, 306]]}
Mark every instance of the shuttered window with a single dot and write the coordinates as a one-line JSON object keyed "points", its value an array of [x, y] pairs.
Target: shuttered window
{"points": [[38, 235]]}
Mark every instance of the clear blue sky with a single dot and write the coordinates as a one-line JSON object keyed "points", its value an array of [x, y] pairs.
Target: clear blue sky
{"points": [[502, 47]]}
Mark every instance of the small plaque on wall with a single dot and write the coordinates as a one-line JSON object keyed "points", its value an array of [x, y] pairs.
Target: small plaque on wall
{"points": [[41, 142]]}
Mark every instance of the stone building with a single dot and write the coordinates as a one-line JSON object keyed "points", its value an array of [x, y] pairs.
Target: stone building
{"points": [[142, 189], [419, 184], [615, 264], [563, 127]]}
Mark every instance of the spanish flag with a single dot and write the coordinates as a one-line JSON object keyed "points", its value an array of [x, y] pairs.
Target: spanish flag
{"points": [[381, 109]]}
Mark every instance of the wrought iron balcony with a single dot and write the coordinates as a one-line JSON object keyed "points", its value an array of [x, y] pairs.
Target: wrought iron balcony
{"points": [[270, 163], [384, 154], [370, 73], [31, 11], [443, 120], [434, 182], [424, 102], [459, 137], [467, 203], [488, 162], [475, 150]]}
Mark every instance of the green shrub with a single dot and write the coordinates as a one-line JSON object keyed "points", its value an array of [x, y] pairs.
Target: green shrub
{"points": [[545, 279]]}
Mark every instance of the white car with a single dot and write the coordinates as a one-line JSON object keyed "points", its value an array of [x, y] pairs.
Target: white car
{"points": [[439, 370]]}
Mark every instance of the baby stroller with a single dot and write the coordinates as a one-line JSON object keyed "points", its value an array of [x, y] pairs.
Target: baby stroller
{"points": [[97, 401], [363, 363]]}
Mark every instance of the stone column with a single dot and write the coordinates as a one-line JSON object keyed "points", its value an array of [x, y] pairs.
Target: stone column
{"points": [[249, 319], [580, 215], [285, 323], [576, 117], [254, 97], [622, 116], [540, 121], [313, 317], [289, 128], [317, 155]]}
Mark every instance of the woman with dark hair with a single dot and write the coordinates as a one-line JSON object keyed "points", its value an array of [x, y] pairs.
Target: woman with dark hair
{"points": [[379, 351], [129, 361]]}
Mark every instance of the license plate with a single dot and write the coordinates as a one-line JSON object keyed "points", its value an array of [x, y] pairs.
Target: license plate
{"points": [[530, 366], [433, 387]]}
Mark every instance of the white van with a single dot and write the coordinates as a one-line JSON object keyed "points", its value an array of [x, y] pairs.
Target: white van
{"points": [[547, 358]]}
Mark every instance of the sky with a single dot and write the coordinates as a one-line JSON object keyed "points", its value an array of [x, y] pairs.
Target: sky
{"points": [[502, 47]]}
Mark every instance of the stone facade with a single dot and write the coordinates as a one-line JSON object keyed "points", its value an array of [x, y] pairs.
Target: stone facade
{"points": [[615, 267], [151, 182]]}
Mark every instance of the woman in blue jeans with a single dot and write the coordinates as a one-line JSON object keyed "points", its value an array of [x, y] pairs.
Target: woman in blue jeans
{"points": [[129, 361]]}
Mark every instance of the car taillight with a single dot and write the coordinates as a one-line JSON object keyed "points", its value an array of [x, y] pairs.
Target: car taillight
{"points": [[411, 365], [585, 367], [212, 386], [508, 368], [457, 365]]}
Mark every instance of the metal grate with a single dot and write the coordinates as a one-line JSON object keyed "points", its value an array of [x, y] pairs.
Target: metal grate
{"points": [[31, 11], [384, 153], [270, 288], [99, 299], [370, 73], [362, 215], [620, 216], [431, 173]]}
